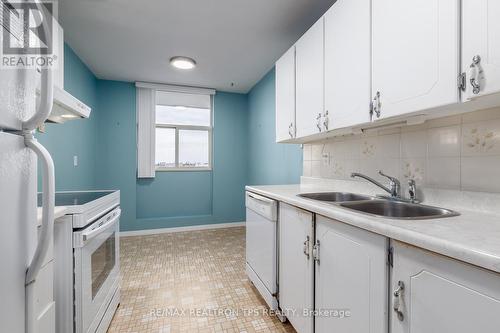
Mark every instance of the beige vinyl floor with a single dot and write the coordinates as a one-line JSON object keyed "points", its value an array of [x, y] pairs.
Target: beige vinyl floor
{"points": [[189, 282]]}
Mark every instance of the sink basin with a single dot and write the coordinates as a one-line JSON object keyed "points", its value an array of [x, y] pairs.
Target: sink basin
{"points": [[335, 196], [399, 210]]}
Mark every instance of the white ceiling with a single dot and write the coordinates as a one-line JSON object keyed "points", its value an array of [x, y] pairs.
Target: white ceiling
{"points": [[233, 41]]}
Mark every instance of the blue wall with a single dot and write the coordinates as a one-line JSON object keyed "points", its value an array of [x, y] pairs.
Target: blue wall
{"points": [[269, 163], [244, 152], [76, 137], [230, 157], [116, 144], [175, 199], [172, 199]]}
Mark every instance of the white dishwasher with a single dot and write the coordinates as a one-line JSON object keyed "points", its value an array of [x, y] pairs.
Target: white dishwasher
{"points": [[261, 247]]}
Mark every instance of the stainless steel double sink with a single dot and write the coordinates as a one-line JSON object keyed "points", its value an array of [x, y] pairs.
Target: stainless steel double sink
{"points": [[375, 206]]}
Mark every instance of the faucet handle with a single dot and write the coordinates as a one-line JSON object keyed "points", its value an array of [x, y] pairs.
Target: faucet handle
{"points": [[392, 179], [412, 190], [395, 184]]}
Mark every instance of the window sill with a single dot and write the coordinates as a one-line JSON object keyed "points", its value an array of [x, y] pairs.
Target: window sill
{"points": [[182, 169]]}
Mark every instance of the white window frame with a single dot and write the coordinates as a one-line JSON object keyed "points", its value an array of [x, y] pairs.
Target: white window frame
{"points": [[177, 128]]}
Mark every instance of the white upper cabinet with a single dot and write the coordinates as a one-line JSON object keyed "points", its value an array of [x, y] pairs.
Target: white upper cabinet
{"points": [[309, 52], [348, 63], [366, 60], [435, 294], [481, 47], [415, 55], [296, 266], [285, 96], [351, 274]]}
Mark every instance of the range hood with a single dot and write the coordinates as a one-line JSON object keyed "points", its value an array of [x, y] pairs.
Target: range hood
{"points": [[66, 107]]}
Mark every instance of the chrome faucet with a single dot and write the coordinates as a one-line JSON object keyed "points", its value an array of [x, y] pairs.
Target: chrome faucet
{"points": [[394, 188]]}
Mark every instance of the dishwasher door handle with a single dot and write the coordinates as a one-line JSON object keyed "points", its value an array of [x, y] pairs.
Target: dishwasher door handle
{"points": [[260, 198]]}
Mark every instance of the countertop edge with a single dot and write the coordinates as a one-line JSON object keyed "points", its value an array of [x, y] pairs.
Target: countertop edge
{"points": [[434, 244]]}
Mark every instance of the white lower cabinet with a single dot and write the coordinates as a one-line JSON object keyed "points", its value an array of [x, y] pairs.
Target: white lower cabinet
{"points": [[351, 277], [344, 270], [334, 277], [296, 273], [441, 294]]}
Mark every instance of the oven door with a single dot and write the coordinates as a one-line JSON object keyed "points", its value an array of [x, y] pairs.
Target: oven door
{"points": [[96, 254]]}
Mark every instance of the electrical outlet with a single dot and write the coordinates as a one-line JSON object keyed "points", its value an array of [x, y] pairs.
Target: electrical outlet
{"points": [[75, 161]]}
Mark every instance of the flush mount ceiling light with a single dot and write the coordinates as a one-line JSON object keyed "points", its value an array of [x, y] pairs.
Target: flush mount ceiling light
{"points": [[183, 62]]}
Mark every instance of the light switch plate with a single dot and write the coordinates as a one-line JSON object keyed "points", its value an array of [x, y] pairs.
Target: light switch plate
{"points": [[75, 161]]}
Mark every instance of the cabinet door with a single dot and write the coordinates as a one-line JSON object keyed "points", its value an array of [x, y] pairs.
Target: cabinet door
{"points": [[351, 275], [415, 54], [481, 37], [442, 294], [309, 79], [285, 96], [296, 266], [348, 63]]}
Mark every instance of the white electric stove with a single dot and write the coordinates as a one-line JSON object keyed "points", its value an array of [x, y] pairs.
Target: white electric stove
{"points": [[87, 261]]}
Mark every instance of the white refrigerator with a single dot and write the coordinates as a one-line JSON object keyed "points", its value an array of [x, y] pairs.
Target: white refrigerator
{"points": [[23, 246]]}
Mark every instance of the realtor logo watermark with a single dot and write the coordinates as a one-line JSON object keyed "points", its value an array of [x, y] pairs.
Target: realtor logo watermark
{"points": [[27, 34]]}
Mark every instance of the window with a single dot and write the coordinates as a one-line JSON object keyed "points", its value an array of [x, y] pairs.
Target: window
{"points": [[183, 131]]}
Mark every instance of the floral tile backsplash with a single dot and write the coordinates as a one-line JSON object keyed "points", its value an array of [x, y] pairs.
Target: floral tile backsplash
{"points": [[459, 153]]}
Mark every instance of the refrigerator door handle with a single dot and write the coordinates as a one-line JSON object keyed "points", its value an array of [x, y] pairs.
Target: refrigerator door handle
{"points": [[46, 101], [47, 227], [46, 94]]}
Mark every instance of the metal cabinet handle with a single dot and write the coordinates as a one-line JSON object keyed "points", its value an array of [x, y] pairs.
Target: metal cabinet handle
{"points": [[316, 252], [306, 247], [475, 74], [396, 304], [290, 130], [375, 107], [318, 121], [325, 120]]}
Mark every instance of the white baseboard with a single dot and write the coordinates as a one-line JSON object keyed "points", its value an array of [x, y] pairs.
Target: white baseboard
{"points": [[181, 229]]}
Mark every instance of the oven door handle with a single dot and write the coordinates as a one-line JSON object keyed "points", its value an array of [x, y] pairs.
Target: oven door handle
{"points": [[88, 235]]}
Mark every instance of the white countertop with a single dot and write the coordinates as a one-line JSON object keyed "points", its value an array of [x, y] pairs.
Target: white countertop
{"points": [[58, 212], [472, 237]]}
